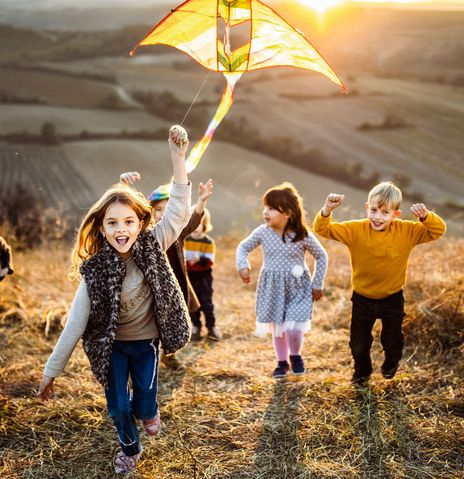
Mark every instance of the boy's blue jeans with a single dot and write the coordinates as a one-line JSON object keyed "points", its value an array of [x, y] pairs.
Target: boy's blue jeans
{"points": [[366, 311], [139, 360]]}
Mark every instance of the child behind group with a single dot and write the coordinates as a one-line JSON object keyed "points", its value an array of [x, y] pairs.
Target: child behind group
{"points": [[286, 291], [200, 251], [158, 200], [6, 259], [379, 247], [127, 301]]}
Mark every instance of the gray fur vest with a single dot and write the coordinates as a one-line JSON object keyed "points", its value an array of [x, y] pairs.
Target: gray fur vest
{"points": [[104, 273]]}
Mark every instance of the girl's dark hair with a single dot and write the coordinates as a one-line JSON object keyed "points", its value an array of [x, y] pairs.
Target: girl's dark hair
{"points": [[286, 199]]}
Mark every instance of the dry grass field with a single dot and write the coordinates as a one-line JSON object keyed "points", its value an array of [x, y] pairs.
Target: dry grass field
{"points": [[223, 416]]}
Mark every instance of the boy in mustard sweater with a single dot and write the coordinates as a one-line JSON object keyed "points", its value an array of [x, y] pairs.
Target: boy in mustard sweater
{"points": [[379, 247]]}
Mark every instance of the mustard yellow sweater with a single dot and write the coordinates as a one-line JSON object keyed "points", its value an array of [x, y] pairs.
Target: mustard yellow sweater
{"points": [[379, 259]]}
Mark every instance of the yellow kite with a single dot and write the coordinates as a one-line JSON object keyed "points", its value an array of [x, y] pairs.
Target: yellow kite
{"points": [[193, 27]]}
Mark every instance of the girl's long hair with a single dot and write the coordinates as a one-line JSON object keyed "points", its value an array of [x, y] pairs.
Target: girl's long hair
{"points": [[286, 199], [89, 239]]}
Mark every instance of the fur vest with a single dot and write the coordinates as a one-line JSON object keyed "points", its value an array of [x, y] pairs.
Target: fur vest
{"points": [[104, 273]]}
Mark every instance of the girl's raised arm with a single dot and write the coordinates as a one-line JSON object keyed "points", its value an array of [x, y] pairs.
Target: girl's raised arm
{"points": [[177, 213]]}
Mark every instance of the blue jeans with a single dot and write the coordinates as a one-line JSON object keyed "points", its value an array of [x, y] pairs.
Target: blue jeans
{"points": [[139, 360]]}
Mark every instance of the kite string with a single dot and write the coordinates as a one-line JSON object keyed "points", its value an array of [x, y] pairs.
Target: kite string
{"points": [[195, 99]]}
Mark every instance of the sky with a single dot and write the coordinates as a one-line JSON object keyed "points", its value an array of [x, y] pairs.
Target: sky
{"points": [[60, 3]]}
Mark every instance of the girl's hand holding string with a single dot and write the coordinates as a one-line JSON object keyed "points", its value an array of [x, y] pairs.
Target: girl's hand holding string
{"points": [[46, 388], [245, 275], [317, 294], [178, 145]]}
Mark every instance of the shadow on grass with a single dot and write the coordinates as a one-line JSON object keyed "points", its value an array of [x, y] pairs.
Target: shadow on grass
{"points": [[171, 379], [388, 446], [279, 448], [368, 427]]}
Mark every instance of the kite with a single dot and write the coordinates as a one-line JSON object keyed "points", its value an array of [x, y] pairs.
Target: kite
{"points": [[194, 28]]}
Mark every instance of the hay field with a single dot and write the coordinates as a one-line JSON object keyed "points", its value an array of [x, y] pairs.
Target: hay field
{"points": [[223, 416]]}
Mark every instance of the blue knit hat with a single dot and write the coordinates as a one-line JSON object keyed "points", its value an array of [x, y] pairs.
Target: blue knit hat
{"points": [[161, 193]]}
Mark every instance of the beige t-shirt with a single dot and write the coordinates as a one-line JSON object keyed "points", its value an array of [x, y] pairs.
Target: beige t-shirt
{"points": [[136, 311]]}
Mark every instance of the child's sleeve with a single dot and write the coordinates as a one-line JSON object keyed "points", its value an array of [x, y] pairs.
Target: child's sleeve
{"points": [[176, 216], [429, 229], [245, 248], [325, 227], [192, 225], [322, 260], [74, 328]]}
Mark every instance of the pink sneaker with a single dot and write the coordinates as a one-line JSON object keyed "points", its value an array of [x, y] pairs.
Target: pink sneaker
{"points": [[125, 464], [152, 426]]}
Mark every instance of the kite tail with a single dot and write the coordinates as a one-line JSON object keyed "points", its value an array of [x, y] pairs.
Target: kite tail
{"points": [[226, 102]]}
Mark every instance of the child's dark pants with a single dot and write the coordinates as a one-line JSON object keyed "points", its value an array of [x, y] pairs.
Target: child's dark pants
{"points": [[202, 283], [390, 311]]}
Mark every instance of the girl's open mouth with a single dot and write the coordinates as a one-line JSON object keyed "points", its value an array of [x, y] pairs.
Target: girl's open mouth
{"points": [[122, 240]]}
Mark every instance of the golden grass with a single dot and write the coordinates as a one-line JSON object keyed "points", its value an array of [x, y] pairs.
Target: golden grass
{"points": [[223, 416]]}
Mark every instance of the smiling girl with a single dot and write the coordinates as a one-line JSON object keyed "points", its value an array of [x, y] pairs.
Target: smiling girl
{"points": [[286, 291], [127, 302]]}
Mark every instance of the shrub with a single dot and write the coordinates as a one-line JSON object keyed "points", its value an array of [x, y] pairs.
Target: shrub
{"points": [[48, 134], [21, 210]]}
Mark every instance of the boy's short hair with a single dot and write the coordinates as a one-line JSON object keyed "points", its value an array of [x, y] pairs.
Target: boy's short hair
{"points": [[387, 194], [206, 221]]}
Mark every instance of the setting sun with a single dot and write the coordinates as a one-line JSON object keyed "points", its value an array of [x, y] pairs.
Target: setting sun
{"points": [[321, 6]]}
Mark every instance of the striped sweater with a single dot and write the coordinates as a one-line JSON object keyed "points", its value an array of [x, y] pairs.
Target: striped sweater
{"points": [[203, 248]]}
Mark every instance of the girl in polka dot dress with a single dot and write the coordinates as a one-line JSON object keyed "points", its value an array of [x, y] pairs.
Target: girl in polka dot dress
{"points": [[286, 291]]}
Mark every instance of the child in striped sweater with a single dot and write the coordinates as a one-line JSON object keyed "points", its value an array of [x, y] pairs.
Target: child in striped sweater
{"points": [[200, 251]]}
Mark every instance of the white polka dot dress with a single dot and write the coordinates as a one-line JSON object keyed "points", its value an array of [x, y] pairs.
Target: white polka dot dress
{"points": [[284, 293]]}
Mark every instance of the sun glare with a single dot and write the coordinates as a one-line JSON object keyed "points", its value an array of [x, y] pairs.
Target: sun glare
{"points": [[321, 6]]}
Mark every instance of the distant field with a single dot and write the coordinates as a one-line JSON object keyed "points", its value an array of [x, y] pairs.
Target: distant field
{"points": [[240, 177], [72, 177], [307, 107], [386, 81], [71, 121], [59, 90], [48, 174], [430, 152]]}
